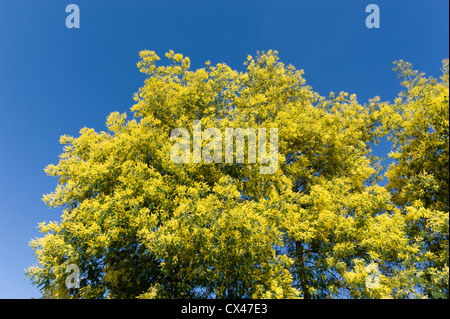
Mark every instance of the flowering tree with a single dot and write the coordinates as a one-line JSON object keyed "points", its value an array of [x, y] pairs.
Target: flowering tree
{"points": [[138, 224]]}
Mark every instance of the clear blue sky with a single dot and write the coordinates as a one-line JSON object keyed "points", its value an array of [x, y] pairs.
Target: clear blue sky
{"points": [[55, 80]]}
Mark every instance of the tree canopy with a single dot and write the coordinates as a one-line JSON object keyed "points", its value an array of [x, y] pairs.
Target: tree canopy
{"points": [[139, 225]]}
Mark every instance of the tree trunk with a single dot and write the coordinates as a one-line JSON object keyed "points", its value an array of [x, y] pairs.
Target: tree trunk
{"points": [[302, 275]]}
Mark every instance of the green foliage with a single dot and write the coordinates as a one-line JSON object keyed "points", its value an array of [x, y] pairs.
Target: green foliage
{"points": [[140, 226]]}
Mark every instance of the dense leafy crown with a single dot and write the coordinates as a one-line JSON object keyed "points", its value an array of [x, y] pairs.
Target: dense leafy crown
{"points": [[139, 225]]}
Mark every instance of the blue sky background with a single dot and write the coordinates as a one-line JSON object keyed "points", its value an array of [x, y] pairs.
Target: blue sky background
{"points": [[55, 80]]}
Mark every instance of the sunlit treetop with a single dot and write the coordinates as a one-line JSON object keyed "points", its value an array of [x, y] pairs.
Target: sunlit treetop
{"points": [[139, 225]]}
